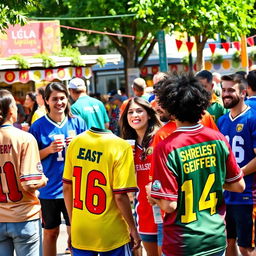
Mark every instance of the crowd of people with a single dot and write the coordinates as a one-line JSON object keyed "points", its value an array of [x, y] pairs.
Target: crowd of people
{"points": [[172, 171]]}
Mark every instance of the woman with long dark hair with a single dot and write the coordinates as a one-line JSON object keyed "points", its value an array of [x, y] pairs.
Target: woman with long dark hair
{"points": [[53, 133], [31, 105], [139, 122]]}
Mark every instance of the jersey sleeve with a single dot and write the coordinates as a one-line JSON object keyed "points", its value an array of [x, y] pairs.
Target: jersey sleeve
{"points": [[124, 172], [164, 182], [31, 171]]}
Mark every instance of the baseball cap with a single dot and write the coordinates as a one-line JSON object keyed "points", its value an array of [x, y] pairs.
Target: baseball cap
{"points": [[139, 82], [76, 83], [116, 97]]}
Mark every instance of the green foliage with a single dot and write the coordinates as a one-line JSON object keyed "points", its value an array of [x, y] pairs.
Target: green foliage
{"points": [[228, 17], [252, 55], [74, 53], [47, 60], [216, 58], [236, 57], [23, 63], [185, 60], [12, 12], [101, 61]]}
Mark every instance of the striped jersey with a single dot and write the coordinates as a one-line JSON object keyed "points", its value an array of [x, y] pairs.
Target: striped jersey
{"points": [[190, 167], [98, 165]]}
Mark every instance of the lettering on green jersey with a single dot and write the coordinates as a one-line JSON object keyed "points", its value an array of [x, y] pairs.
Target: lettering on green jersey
{"points": [[198, 158], [89, 155]]}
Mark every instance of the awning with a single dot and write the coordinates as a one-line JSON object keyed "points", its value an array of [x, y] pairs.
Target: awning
{"points": [[62, 73]]}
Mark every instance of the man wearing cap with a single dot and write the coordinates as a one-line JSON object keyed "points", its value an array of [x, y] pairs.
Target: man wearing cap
{"points": [[90, 109], [138, 87]]}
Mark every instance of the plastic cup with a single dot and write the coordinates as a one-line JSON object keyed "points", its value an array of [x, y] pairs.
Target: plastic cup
{"points": [[60, 138], [132, 143], [24, 126]]}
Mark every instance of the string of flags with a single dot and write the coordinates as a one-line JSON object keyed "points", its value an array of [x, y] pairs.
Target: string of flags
{"points": [[213, 46]]}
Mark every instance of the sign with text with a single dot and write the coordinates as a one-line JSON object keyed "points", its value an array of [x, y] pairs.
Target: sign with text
{"points": [[31, 39]]}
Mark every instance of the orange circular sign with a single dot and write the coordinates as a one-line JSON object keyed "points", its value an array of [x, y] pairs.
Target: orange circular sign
{"points": [[9, 76]]}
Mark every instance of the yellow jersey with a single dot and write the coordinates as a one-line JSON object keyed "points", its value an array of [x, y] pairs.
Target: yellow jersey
{"points": [[99, 164]]}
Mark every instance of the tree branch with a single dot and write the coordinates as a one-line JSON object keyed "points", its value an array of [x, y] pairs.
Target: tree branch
{"points": [[121, 47]]}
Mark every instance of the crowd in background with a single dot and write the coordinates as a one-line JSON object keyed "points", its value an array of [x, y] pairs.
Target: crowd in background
{"points": [[185, 123]]}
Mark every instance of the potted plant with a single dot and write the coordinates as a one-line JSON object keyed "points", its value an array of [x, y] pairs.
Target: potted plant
{"points": [[236, 57]]}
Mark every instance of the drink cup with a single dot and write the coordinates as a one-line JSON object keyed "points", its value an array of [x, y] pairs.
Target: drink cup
{"points": [[60, 138], [132, 143], [24, 126]]}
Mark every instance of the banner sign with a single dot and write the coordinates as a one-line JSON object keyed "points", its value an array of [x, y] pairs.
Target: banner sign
{"points": [[31, 39]]}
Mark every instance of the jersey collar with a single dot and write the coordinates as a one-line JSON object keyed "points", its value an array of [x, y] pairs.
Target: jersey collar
{"points": [[59, 125], [189, 128]]}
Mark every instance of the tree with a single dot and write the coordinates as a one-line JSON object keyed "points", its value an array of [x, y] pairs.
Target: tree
{"points": [[131, 49], [12, 12], [201, 19]]}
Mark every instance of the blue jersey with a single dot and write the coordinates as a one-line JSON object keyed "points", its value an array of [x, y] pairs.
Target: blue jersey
{"points": [[241, 134], [44, 130], [251, 101]]}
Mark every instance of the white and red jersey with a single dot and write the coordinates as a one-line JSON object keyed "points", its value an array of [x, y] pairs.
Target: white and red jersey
{"points": [[19, 165], [145, 218]]}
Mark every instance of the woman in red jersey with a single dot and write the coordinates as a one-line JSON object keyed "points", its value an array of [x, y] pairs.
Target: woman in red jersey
{"points": [[139, 122]]}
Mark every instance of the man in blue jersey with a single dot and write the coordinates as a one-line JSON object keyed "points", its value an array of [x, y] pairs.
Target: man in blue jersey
{"points": [[239, 127], [90, 109], [251, 89]]}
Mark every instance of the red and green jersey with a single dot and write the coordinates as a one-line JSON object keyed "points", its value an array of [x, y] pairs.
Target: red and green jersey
{"points": [[190, 167]]}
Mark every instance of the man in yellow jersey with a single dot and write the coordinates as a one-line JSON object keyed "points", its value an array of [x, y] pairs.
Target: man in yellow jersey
{"points": [[98, 174]]}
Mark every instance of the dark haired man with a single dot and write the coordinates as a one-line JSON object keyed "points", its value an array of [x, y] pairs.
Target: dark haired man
{"points": [[190, 169], [239, 127], [215, 108]]}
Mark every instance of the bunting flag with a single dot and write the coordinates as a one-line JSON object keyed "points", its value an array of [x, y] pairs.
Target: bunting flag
{"points": [[190, 46], [244, 56], [212, 47], [250, 41], [226, 46], [178, 44], [237, 45]]}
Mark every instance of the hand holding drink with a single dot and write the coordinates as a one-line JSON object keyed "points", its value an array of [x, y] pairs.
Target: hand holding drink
{"points": [[71, 135], [59, 142]]}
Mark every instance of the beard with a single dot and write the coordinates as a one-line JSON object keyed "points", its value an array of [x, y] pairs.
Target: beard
{"points": [[234, 101]]}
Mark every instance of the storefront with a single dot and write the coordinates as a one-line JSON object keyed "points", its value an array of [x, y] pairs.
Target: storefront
{"points": [[19, 82]]}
